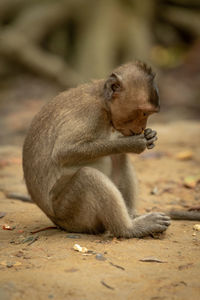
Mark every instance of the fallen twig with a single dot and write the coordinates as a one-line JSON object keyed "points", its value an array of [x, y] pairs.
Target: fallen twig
{"points": [[116, 266], [106, 285], [43, 229]]}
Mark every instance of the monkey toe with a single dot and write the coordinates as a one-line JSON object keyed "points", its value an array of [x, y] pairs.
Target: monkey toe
{"points": [[159, 219], [161, 213], [153, 228], [162, 220], [165, 223], [164, 217], [158, 228]]}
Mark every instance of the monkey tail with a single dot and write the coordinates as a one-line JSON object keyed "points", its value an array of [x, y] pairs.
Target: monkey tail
{"points": [[19, 197], [193, 215]]}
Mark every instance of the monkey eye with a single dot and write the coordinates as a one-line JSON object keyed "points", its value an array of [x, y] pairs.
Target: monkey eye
{"points": [[115, 87]]}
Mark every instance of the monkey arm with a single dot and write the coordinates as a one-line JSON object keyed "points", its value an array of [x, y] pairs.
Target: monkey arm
{"points": [[86, 151]]}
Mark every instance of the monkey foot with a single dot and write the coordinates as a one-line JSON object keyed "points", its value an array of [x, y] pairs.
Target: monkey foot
{"points": [[155, 222]]}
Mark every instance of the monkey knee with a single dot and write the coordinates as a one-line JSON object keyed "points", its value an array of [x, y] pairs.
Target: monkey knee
{"points": [[89, 172], [85, 172], [93, 179]]}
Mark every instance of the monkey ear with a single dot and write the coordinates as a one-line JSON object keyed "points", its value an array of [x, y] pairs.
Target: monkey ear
{"points": [[112, 86]]}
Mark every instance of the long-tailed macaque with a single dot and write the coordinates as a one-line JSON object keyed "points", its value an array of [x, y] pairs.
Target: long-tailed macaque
{"points": [[75, 159]]}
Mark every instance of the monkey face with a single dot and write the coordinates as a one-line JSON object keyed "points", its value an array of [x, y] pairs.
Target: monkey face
{"points": [[131, 124], [132, 97], [130, 112]]}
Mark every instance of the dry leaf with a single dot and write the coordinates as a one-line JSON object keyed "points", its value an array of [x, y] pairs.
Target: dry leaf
{"points": [[185, 155], [191, 181], [7, 227], [152, 259], [9, 264], [16, 264]]}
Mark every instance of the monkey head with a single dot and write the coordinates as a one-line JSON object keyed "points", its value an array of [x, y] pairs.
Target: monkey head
{"points": [[131, 96]]}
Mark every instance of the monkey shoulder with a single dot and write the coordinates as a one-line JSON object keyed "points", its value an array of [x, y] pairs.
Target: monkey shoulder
{"points": [[78, 114]]}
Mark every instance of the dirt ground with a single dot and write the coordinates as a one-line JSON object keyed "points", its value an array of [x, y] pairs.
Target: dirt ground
{"points": [[44, 265]]}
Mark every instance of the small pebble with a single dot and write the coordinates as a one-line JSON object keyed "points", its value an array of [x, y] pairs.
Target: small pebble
{"points": [[2, 214], [100, 256], [78, 248], [154, 191], [9, 265], [73, 236], [196, 227]]}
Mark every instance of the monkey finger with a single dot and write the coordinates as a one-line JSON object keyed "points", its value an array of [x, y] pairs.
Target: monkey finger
{"points": [[147, 131], [150, 146], [150, 135], [151, 141]]}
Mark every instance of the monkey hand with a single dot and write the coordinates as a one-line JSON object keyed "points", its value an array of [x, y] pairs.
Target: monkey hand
{"points": [[138, 143], [151, 137]]}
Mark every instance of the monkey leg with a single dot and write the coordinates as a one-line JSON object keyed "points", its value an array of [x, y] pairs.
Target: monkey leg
{"points": [[124, 177], [91, 203]]}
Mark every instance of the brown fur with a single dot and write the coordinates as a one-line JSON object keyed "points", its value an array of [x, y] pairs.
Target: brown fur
{"points": [[74, 156]]}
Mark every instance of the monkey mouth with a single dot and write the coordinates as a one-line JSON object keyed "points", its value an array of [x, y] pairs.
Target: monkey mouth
{"points": [[127, 132]]}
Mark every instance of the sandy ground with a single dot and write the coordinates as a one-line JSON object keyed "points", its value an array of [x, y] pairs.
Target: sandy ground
{"points": [[44, 265]]}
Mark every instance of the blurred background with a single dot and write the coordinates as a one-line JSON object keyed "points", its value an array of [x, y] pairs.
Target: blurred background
{"points": [[47, 46]]}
